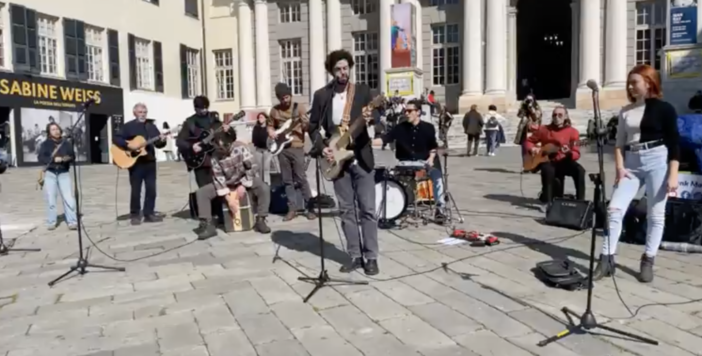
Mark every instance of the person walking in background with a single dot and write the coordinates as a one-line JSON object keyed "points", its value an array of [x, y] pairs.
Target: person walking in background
{"points": [[259, 139], [492, 129], [170, 145], [56, 157], [473, 125]]}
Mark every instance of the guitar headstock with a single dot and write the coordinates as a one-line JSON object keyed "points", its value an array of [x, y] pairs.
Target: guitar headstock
{"points": [[378, 102], [234, 119]]}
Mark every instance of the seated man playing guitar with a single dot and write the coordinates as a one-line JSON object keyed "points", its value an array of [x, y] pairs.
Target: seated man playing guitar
{"points": [[144, 170], [415, 146], [560, 150], [292, 158], [234, 172]]}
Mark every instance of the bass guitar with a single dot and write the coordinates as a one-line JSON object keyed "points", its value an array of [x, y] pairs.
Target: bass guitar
{"points": [[283, 136], [339, 143], [532, 161], [196, 160], [126, 158]]}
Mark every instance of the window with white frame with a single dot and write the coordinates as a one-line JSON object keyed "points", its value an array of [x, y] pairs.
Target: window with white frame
{"points": [[2, 37], [291, 64], [446, 54], [47, 44], [362, 7], [365, 57], [143, 53], [192, 57], [289, 12], [224, 73], [443, 2], [94, 54], [650, 32]]}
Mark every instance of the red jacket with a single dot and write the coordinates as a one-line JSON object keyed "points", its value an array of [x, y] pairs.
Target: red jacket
{"points": [[566, 136]]}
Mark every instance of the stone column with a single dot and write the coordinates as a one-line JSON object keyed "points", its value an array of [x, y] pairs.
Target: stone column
{"points": [[263, 63], [512, 50], [317, 57], [472, 75], [496, 47], [574, 47], [385, 12], [590, 40], [333, 25], [615, 44], [246, 56]]}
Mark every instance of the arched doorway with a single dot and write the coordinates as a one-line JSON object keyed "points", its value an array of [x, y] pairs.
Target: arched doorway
{"points": [[544, 48]]}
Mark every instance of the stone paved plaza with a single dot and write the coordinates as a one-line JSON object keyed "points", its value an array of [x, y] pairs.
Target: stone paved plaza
{"points": [[226, 296]]}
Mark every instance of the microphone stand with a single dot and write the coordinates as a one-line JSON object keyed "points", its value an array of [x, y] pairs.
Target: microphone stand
{"points": [[4, 250], [323, 279], [587, 319], [82, 264]]}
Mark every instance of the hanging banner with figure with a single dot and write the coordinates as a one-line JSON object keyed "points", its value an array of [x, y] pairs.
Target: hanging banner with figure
{"points": [[683, 22], [401, 32]]}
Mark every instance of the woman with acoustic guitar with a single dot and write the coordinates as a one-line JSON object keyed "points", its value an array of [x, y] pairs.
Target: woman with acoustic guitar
{"points": [[647, 153], [55, 155]]}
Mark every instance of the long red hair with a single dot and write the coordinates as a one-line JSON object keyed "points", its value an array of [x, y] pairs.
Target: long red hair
{"points": [[652, 78]]}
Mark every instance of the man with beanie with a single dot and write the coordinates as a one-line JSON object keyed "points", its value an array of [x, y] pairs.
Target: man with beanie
{"points": [[292, 158]]}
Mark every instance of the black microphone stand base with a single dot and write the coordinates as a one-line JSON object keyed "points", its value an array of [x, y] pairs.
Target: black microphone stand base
{"points": [[4, 250], [81, 267], [323, 280], [587, 323]]}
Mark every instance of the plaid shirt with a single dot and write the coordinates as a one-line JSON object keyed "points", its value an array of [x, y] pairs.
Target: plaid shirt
{"points": [[230, 172]]}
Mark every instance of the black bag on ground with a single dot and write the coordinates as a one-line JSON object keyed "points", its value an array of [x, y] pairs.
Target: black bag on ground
{"points": [[323, 201], [560, 274]]}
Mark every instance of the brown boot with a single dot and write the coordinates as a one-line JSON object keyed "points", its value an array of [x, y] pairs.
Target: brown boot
{"points": [[290, 215]]}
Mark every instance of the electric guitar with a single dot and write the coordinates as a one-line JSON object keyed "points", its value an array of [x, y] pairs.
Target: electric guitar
{"points": [[283, 136], [126, 158], [532, 161], [196, 160], [339, 143]]}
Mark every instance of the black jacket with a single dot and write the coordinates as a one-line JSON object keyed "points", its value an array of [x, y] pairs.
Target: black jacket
{"points": [[45, 155], [321, 117], [259, 136], [192, 129], [147, 130]]}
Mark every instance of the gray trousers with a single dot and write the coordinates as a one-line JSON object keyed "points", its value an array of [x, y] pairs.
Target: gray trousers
{"points": [[356, 186], [263, 158], [292, 170], [259, 192]]}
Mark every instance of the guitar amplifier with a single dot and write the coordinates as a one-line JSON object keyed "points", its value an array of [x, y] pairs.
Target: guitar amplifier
{"points": [[571, 214]]}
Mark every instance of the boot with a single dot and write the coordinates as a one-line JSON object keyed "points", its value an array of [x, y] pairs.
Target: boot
{"points": [[605, 267], [355, 264], [310, 214], [646, 273], [202, 226], [209, 231], [290, 215], [260, 226], [371, 267]]}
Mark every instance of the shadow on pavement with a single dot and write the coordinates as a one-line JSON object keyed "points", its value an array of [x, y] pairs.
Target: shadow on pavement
{"points": [[306, 242]]}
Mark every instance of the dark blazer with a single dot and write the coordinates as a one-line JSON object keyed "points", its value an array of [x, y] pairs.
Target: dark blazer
{"points": [[147, 130], [321, 117]]}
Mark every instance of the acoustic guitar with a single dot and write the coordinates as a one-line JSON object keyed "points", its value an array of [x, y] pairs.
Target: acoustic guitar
{"points": [[339, 143], [195, 160], [126, 158], [531, 161]]}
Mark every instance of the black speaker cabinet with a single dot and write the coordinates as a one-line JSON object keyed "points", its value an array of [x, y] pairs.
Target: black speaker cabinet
{"points": [[571, 214]]}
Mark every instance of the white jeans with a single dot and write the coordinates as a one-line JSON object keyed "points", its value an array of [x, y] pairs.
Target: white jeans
{"points": [[648, 168]]}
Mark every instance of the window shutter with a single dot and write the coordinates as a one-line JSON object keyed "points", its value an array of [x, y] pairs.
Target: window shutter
{"points": [[158, 66], [18, 18], [132, 62], [80, 51], [184, 70], [113, 57], [71, 52], [32, 51]]}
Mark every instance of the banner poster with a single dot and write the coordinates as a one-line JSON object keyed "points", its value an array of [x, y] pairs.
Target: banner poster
{"points": [[401, 32], [683, 22]]}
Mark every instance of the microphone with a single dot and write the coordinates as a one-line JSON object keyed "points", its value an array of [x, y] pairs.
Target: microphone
{"points": [[592, 84], [88, 102]]}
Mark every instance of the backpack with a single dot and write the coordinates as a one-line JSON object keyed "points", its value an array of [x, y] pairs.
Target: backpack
{"points": [[492, 123], [561, 274]]}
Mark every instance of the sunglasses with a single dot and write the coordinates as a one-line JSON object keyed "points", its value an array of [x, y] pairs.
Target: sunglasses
{"points": [[558, 115], [410, 110]]}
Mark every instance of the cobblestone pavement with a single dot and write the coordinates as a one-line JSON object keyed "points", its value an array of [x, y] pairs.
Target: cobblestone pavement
{"points": [[226, 296]]}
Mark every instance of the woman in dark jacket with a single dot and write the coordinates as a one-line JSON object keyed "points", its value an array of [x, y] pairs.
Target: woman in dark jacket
{"points": [[55, 156], [473, 127], [259, 139]]}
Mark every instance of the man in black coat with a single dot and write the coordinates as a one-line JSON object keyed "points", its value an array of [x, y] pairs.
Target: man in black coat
{"points": [[144, 170], [335, 107]]}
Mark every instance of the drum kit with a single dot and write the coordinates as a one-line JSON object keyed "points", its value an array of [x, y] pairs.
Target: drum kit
{"points": [[405, 196]]}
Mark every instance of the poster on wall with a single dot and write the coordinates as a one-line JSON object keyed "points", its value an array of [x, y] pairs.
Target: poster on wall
{"points": [[401, 33], [402, 83], [684, 64], [683, 22], [34, 125]]}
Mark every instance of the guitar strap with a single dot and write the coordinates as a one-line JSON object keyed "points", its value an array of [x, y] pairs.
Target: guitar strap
{"points": [[346, 115]]}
